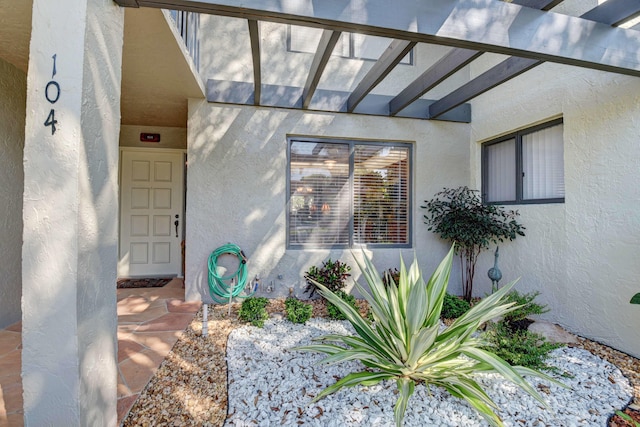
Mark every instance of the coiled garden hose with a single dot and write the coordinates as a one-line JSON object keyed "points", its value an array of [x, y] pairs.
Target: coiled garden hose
{"points": [[224, 288]]}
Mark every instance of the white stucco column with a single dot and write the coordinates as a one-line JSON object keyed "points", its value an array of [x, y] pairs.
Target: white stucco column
{"points": [[70, 215]]}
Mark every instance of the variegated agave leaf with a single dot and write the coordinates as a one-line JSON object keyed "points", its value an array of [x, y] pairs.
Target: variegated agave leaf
{"points": [[404, 342]]}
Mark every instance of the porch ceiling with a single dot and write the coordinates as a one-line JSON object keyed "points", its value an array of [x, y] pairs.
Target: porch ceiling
{"points": [[15, 32], [157, 76]]}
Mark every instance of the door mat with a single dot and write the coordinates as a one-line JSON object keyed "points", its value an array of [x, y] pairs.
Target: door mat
{"points": [[143, 283]]}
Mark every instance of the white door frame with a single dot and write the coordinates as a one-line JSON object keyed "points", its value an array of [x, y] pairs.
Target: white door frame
{"points": [[180, 273]]}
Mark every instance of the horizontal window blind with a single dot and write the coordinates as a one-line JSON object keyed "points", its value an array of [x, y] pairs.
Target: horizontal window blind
{"points": [[380, 189], [342, 194], [319, 194]]}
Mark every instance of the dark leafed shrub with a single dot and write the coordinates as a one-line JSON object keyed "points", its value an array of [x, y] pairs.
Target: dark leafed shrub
{"points": [[332, 274]]}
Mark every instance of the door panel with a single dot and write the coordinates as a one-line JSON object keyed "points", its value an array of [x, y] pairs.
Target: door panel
{"points": [[151, 200]]}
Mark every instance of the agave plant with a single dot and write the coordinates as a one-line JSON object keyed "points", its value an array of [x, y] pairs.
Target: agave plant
{"points": [[404, 341]]}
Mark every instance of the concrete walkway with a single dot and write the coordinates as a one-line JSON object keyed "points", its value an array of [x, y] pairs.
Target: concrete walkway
{"points": [[150, 321]]}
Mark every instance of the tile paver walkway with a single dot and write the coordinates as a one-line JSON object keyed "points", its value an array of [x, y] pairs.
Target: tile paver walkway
{"points": [[150, 321]]}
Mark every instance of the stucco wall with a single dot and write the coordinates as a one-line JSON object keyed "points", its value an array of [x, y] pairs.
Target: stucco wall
{"points": [[581, 255], [69, 357], [13, 84], [237, 186], [278, 66]]}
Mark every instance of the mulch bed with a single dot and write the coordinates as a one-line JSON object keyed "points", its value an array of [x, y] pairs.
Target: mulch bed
{"points": [[618, 421], [143, 283]]}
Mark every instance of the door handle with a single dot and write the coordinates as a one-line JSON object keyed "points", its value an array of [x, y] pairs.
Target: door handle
{"points": [[176, 223]]}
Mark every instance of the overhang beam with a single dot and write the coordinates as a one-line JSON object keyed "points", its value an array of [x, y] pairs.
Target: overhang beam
{"points": [[453, 61], [504, 71], [484, 25], [397, 50], [254, 36], [436, 74], [326, 45], [290, 97], [514, 66], [614, 12], [538, 4]]}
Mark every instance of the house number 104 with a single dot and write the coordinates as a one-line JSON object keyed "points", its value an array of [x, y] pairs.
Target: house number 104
{"points": [[52, 93]]}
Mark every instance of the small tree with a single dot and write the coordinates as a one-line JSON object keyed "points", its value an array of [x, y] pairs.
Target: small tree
{"points": [[459, 215]]}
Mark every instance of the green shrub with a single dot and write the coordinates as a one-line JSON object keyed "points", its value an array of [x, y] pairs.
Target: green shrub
{"points": [[460, 216], [405, 342], [297, 311], [454, 307], [522, 348], [334, 312], [526, 307], [253, 310], [333, 275]]}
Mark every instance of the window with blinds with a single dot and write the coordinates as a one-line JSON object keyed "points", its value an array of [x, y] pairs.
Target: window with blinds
{"points": [[347, 193], [525, 167]]}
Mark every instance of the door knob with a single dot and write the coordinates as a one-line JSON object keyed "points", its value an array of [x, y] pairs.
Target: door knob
{"points": [[176, 222]]}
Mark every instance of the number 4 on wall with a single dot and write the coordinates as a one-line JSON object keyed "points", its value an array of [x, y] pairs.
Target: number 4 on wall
{"points": [[51, 121]]}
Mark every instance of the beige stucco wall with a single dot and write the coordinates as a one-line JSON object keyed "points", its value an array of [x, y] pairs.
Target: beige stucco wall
{"points": [[582, 254], [236, 178], [13, 84], [69, 357], [285, 68]]}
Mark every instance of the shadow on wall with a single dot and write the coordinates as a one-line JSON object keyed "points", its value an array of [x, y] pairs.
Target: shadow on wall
{"points": [[237, 178]]}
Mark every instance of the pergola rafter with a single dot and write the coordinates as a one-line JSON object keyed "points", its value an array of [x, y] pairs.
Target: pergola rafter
{"points": [[254, 35], [325, 48], [470, 27], [397, 50], [610, 13]]}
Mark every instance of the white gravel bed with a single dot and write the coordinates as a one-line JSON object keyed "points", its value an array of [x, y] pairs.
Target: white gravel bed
{"points": [[271, 385]]}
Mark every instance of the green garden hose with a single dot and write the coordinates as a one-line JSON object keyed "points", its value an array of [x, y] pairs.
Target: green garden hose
{"points": [[223, 288]]}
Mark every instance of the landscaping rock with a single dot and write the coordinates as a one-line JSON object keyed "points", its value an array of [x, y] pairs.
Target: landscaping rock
{"points": [[552, 332]]}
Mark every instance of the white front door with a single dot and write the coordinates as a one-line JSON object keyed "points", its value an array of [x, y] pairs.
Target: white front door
{"points": [[151, 211]]}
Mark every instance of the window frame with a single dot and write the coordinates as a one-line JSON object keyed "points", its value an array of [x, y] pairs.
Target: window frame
{"points": [[518, 137], [352, 55], [351, 230]]}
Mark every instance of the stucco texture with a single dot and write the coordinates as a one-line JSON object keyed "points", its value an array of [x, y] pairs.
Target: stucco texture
{"points": [[582, 254], [69, 357], [13, 83], [237, 158]]}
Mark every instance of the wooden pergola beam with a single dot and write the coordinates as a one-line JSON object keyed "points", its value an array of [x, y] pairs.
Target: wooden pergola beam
{"points": [[438, 72], [503, 72], [483, 25], [614, 12], [254, 36], [538, 4], [397, 50], [608, 13], [453, 61], [327, 42]]}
